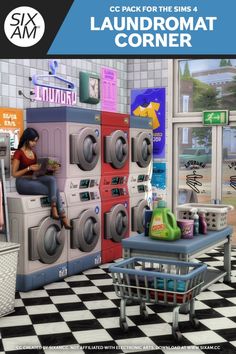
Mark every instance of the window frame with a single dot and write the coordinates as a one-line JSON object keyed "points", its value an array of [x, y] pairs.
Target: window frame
{"points": [[174, 116]]}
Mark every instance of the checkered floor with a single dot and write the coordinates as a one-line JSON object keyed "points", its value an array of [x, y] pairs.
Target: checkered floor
{"points": [[81, 315]]}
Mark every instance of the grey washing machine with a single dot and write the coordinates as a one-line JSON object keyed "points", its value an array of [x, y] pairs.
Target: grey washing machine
{"points": [[141, 146], [84, 210]]}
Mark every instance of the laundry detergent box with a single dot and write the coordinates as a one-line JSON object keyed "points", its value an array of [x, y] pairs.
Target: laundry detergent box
{"points": [[147, 220]]}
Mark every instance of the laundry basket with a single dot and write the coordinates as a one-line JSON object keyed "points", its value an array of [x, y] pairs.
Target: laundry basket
{"points": [[158, 281], [216, 214], [8, 267]]}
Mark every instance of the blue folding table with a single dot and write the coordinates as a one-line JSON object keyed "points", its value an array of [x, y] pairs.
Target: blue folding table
{"points": [[185, 250]]}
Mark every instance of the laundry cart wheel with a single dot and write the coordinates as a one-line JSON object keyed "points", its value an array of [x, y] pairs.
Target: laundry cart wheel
{"points": [[195, 322], [143, 311], [124, 326], [177, 335]]}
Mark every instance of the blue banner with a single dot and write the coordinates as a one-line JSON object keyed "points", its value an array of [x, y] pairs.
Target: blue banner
{"points": [[162, 27], [150, 102], [159, 175]]}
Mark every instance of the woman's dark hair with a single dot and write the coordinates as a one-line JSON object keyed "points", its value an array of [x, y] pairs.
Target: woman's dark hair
{"points": [[29, 134]]}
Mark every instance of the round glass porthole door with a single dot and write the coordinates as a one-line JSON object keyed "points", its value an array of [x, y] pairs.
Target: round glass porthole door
{"points": [[51, 241], [141, 225], [86, 231], [144, 149], [46, 241], [121, 150], [138, 216], [90, 150], [116, 149], [85, 149], [116, 223]]}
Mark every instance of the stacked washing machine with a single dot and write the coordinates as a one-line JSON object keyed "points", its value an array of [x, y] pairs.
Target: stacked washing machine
{"points": [[140, 171], [113, 185], [72, 136], [43, 242]]}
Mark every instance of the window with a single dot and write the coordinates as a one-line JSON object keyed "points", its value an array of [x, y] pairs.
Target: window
{"points": [[207, 84]]}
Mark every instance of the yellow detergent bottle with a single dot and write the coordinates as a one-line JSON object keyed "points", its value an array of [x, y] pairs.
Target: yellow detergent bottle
{"points": [[163, 224]]}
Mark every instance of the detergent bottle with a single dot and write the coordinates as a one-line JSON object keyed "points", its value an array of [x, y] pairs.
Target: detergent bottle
{"points": [[195, 218], [202, 222], [163, 224]]}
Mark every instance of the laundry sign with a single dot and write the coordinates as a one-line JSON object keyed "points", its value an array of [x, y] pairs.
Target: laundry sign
{"points": [[12, 122], [53, 88], [109, 89]]}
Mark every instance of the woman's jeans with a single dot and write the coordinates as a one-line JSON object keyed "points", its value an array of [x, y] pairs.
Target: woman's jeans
{"points": [[45, 185]]}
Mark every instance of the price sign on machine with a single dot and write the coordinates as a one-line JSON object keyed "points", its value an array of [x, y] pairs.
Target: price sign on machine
{"points": [[216, 117]]}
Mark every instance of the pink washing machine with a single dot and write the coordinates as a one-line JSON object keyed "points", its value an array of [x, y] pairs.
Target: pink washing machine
{"points": [[70, 135]]}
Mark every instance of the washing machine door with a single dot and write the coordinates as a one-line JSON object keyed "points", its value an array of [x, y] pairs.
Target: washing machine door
{"points": [[138, 216], [116, 149], [142, 149], [116, 223], [86, 231], [84, 149], [46, 241]]}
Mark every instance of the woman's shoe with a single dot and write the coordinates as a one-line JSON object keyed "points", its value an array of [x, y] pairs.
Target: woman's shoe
{"points": [[65, 222], [54, 213]]}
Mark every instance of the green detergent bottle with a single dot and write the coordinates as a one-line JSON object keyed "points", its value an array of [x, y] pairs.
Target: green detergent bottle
{"points": [[163, 224]]}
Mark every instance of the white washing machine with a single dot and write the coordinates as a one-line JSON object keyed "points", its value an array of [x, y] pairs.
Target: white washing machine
{"points": [[141, 147], [140, 200], [71, 135], [43, 246], [84, 211]]}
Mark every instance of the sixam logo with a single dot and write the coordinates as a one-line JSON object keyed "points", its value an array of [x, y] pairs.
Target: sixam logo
{"points": [[24, 26]]}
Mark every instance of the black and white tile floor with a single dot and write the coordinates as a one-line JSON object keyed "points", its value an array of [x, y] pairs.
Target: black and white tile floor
{"points": [[81, 315]]}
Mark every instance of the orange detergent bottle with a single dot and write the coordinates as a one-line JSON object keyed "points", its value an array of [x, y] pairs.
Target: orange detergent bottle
{"points": [[163, 224]]}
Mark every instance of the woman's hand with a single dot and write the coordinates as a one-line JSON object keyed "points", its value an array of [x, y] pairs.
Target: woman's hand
{"points": [[35, 167]]}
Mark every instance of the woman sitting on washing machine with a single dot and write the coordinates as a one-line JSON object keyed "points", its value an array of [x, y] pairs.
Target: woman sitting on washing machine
{"points": [[24, 165]]}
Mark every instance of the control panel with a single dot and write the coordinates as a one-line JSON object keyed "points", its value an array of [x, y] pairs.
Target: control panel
{"points": [[45, 202], [140, 178], [139, 184], [114, 180], [82, 190], [113, 186]]}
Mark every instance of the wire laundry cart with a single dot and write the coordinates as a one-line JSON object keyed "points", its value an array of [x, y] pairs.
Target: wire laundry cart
{"points": [[159, 281]]}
